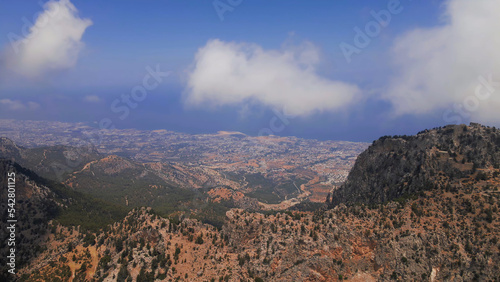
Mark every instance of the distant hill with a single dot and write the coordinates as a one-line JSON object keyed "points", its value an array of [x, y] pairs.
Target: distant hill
{"points": [[54, 162], [167, 187], [272, 172], [125, 182]]}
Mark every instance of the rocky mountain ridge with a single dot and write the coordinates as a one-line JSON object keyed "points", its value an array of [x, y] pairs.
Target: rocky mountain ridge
{"points": [[400, 166]]}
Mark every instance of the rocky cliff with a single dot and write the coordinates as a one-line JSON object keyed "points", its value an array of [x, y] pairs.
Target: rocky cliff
{"points": [[401, 166]]}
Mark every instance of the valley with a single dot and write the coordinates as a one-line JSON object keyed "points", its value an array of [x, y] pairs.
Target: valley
{"points": [[269, 170]]}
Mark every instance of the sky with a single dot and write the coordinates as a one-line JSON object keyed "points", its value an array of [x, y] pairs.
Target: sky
{"points": [[329, 70]]}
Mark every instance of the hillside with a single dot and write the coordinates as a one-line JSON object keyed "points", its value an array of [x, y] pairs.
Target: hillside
{"points": [[427, 213], [41, 204], [52, 162], [400, 166]]}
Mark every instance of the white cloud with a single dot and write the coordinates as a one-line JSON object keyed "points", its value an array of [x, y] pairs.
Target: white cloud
{"points": [[439, 67], [92, 99], [16, 105], [53, 42], [33, 105], [227, 73]]}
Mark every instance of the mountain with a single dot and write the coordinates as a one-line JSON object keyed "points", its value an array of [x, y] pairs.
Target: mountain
{"points": [[10, 149], [52, 162], [399, 166], [427, 210], [117, 179], [203, 192], [414, 208], [128, 183], [41, 204]]}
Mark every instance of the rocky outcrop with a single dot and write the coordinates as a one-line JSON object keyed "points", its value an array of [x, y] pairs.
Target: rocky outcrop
{"points": [[401, 166]]}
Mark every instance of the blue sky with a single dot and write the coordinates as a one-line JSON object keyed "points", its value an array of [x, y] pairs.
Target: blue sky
{"points": [[117, 40]]}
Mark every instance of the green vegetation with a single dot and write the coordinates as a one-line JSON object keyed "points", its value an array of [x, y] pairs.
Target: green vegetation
{"points": [[213, 213], [130, 187], [51, 162], [79, 209], [199, 239], [272, 192]]}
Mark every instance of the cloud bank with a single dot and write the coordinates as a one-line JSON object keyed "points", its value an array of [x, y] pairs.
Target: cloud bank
{"points": [[227, 73], [441, 67], [16, 105], [53, 42], [92, 98]]}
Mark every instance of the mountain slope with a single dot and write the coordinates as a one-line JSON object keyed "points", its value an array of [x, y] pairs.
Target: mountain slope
{"points": [[405, 165], [54, 162], [39, 204]]}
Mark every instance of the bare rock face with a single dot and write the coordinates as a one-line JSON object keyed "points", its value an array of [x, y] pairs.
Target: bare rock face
{"points": [[400, 166]]}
